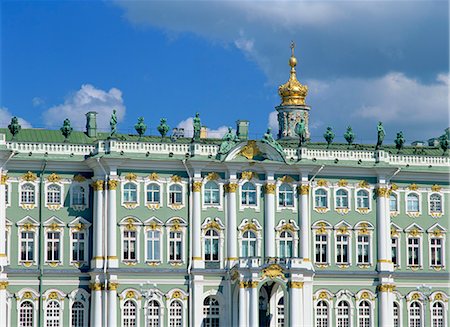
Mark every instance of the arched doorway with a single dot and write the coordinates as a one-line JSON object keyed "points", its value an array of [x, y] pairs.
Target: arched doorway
{"points": [[272, 305]]}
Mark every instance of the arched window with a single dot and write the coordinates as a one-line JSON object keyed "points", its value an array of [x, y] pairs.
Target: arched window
{"points": [[341, 199], [285, 196], [249, 244], [322, 314], [211, 245], [153, 194], [248, 194], [211, 312], [321, 198], [412, 203], [280, 312], [53, 194], [343, 314], [437, 315], [129, 314], [396, 315], [211, 193], [26, 314], [78, 195], [175, 194], [393, 202], [130, 193], [362, 199], [364, 314], [153, 312], [176, 314], [415, 315], [27, 194], [286, 245], [77, 314], [435, 203], [53, 314]]}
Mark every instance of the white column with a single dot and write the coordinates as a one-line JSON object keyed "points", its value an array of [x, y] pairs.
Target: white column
{"points": [[386, 305], [307, 306], [98, 255], [383, 229], [197, 259], [3, 300], [197, 300], [269, 222], [96, 310], [243, 308], [3, 258], [296, 305], [113, 260], [112, 303], [305, 224], [232, 252], [254, 304]]}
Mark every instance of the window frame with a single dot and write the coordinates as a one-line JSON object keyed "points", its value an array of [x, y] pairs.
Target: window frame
{"points": [[419, 237], [419, 198], [421, 312], [160, 315], [247, 203], [130, 204], [176, 205], [27, 225], [130, 224], [219, 194], [394, 213], [322, 228], [368, 192], [73, 186], [342, 209], [176, 224], [79, 225], [442, 204], [437, 232], [54, 296], [364, 229], [342, 316], [153, 204], [348, 234], [159, 239], [255, 227], [321, 209], [293, 193], [82, 296], [28, 205]]}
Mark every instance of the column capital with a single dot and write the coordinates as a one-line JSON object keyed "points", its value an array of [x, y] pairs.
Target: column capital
{"points": [[98, 185], [3, 284], [112, 184], [112, 286], [269, 188], [230, 187], [197, 186], [97, 286], [294, 284], [304, 189], [386, 288], [383, 192], [3, 179]]}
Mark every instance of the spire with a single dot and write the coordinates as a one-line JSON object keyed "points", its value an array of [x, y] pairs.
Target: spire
{"points": [[293, 92]]}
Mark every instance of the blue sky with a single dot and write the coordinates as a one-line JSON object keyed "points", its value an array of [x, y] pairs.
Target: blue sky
{"points": [[363, 62]]}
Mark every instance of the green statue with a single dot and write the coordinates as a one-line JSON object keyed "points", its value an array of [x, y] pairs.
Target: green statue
{"points": [[329, 136], [268, 139], [380, 135], [349, 136], [140, 127], [163, 128], [14, 127], [228, 142], [443, 142], [197, 127], [300, 130], [66, 129], [399, 141], [113, 123]]}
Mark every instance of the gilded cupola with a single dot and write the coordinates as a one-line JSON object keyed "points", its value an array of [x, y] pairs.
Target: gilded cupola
{"points": [[293, 92]]}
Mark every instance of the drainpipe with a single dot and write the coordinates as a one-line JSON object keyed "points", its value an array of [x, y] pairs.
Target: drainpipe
{"points": [[41, 237], [104, 229], [190, 231], [396, 172]]}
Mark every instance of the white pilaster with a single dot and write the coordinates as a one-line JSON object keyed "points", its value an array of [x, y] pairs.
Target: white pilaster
{"points": [[254, 304], [296, 304], [383, 229], [386, 305], [305, 222], [98, 255], [197, 300], [232, 253], [113, 260], [3, 300], [308, 308], [3, 258], [112, 303], [243, 307], [97, 306], [269, 222], [197, 259]]}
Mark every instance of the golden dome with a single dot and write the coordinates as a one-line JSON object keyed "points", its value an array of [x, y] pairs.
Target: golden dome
{"points": [[292, 92]]}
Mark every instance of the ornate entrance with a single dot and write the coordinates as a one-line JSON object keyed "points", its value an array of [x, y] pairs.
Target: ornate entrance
{"points": [[272, 303]]}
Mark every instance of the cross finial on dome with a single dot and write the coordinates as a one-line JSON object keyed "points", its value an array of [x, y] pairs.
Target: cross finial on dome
{"points": [[292, 47]]}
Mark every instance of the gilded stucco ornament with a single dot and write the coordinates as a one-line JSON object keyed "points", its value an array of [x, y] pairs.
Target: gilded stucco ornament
{"points": [[29, 176], [130, 224], [288, 227], [230, 187], [97, 286], [112, 286], [249, 175], [153, 177], [175, 179], [54, 178], [342, 183], [212, 225], [176, 225], [363, 184], [383, 192], [436, 188], [197, 186], [293, 92], [3, 179], [322, 183], [212, 176], [273, 271], [112, 184], [394, 187], [415, 232], [413, 187], [79, 178], [250, 150], [270, 188], [250, 226], [286, 179], [131, 177], [323, 295], [322, 229], [3, 285], [293, 284], [304, 189], [98, 185]]}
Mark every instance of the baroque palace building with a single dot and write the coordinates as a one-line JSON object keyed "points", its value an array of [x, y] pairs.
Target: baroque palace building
{"points": [[109, 229]]}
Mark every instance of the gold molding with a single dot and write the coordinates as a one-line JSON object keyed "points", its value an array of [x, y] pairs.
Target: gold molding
{"points": [[363, 184], [197, 186], [436, 188], [342, 183], [3, 285], [249, 175], [270, 188], [383, 192], [413, 187], [322, 182], [212, 176], [230, 187], [273, 271], [54, 178], [212, 225], [386, 288], [131, 177], [304, 189], [250, 150], [29, 176], [250, 226], [153, 176], [286, 179], [112, 286], [98, 185], [3, 179], [293, 284], [112, 184], [175, 179], [97, 286]]}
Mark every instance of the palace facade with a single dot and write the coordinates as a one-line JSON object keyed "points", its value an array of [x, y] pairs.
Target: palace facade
{"points": [[108, 229]]}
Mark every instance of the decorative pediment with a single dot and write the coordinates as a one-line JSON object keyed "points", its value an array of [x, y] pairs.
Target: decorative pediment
{"points": [[53, 294], [79, 224], [395, 230], [323, 295], [27, 223], [322, 226], [415, 296], [54, 223], [130, 293], [436, 230], [254, 151], [252, 225], [215, 223], [412, 227], [364, 227], [176, 223], [343, 227], [130, 223], [365, 295], [153, 223], [176, 294], [290, 226], [27, 294], [273, 271]]}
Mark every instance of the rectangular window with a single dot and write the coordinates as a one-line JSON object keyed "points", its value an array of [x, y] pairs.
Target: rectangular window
{"points": [[6, 194], [53, 246], [321, 249], [413, 251], [129, 246], [78, 246], [436, 251], [27, 246], [175, 246], [395, 254], [342, 249], [153, 245], [363, 249]]}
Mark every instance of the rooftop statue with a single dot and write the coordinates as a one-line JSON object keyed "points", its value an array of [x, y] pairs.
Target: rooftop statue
{"points": [[197, 127], [399, 141], [113, 124], [300, 130], [140, 127], [329, 136], [444, 143], [268, 139], [66, 129], [349, 136], [14, 127], [380, 135], [163, 128], [228, 142]]}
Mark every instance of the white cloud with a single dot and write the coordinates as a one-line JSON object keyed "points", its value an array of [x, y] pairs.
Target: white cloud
{"points": [[5, 119], [37, 101], [273, 122], [87, 98], [188, 125]]}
